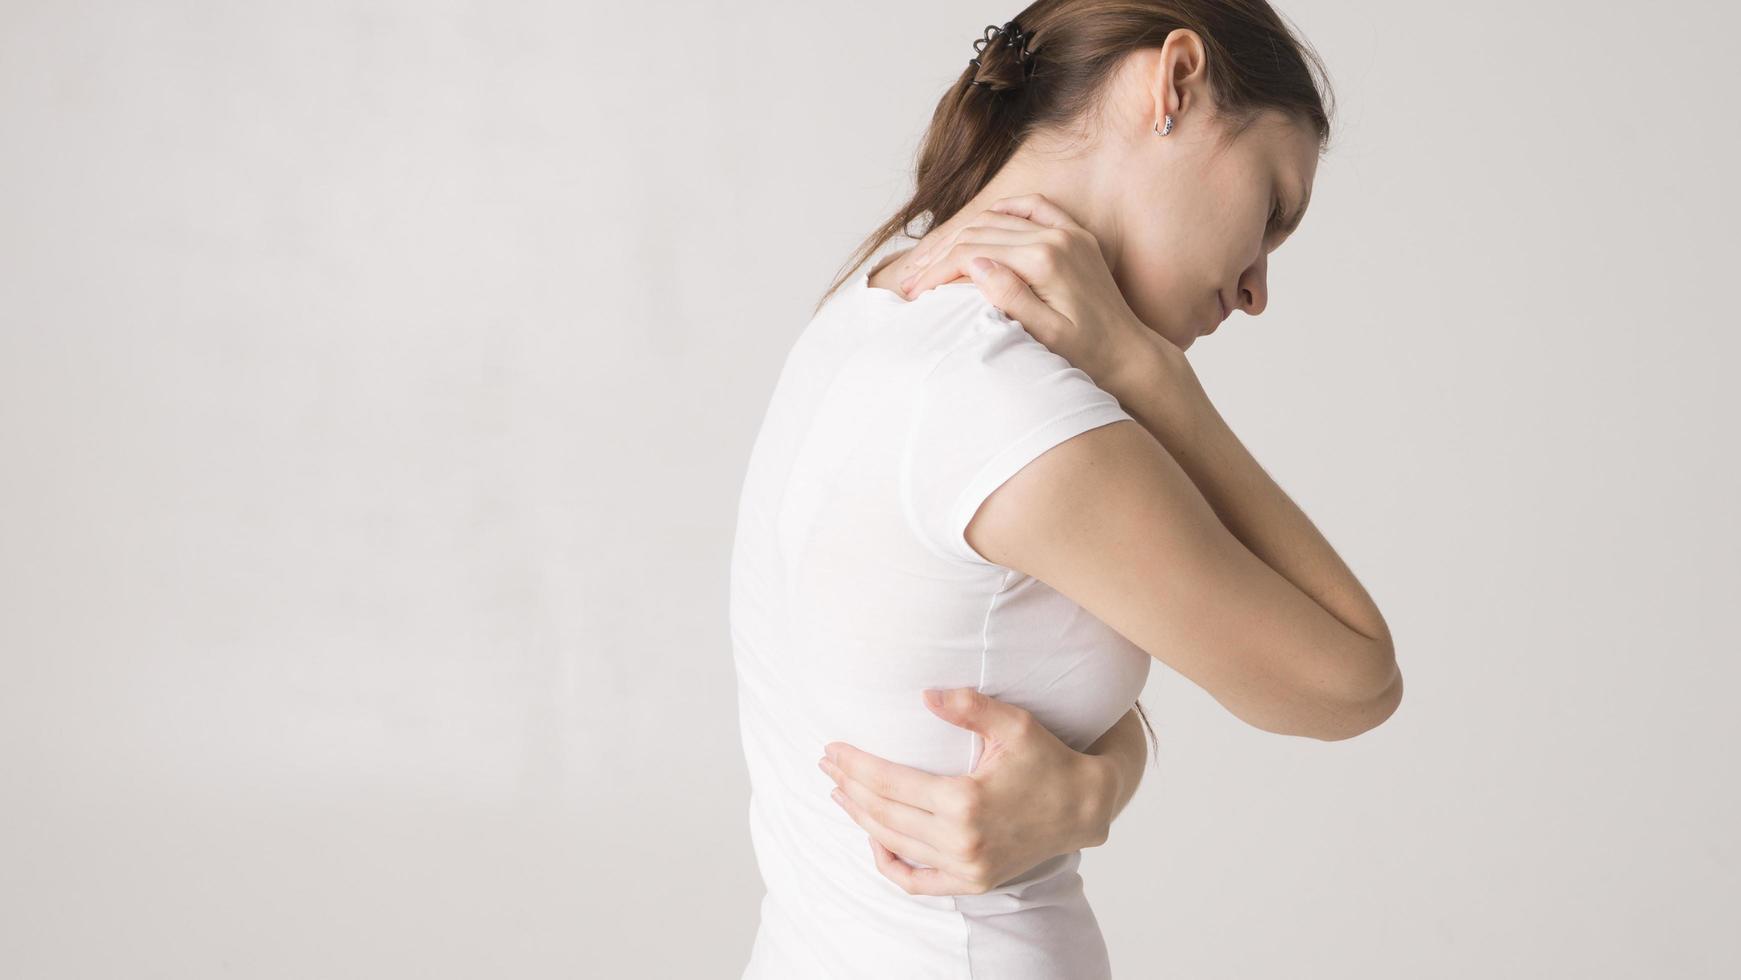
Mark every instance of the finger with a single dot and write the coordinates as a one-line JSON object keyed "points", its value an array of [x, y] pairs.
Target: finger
{"points": [[1009, 286], [1039, 261], [1010, 293], [935, 829], [970, 707], [913, 847], [918, 881], [994, 234], [1036, 207], [914, 787], [993, 243], [988, 217]]}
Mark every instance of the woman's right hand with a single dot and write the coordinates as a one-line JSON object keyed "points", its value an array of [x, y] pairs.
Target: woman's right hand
{"points": [[1047, 272]]}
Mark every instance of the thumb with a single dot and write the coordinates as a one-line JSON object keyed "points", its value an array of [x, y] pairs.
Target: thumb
{"points": [[970, 708], [1006, 290]]}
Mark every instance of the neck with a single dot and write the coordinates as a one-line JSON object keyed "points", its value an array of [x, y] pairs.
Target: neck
{"points": [[1069, 183]]}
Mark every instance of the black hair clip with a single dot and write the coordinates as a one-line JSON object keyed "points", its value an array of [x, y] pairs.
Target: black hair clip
{"points": [[1009, 34]]}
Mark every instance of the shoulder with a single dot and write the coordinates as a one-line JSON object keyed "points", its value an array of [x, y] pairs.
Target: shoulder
{"points": [[993, 400], [979, 352], [960, 328]]}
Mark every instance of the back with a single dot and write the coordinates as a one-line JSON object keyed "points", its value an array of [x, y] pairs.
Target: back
{"points": [[853, 588]]}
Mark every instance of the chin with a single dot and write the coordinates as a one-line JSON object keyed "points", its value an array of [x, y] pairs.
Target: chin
{"points": [[1180, 335]]}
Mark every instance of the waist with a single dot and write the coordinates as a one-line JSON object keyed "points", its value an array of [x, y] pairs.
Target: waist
{"points": [[1046, 932]]}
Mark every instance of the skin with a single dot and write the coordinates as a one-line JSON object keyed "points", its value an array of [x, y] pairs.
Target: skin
{"points": [[1028, 798], [1183, 225], [1183, 220]]}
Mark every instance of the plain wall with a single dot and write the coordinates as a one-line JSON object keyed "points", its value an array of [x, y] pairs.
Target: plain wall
{"points": [[376, 381]]}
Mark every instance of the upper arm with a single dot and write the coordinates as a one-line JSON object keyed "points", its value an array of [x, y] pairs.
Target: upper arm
{"points": [[1110, 519]]}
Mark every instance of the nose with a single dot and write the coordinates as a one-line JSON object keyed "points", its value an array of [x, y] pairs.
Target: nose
{"points": [[1253, 293]]}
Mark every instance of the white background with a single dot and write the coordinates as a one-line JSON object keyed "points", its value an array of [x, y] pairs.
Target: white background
{"points": [[376, 381]]}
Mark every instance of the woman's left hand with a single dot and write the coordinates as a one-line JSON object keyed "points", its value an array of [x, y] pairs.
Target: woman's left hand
{"points": [[1029, 797]]}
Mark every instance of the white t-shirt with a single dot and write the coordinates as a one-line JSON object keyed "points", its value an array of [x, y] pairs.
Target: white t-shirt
{"points": [[853, 589]]}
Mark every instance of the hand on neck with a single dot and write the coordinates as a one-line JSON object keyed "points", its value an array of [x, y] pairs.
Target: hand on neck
{"points": [[1067, 182]]}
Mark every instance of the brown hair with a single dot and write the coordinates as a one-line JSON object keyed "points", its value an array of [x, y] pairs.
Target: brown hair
{"points": [[1255, 63]]}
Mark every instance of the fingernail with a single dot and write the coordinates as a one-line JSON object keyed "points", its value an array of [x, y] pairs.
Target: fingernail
{"points": [[908, 281], [933, 697], [822, 764], [838, 797]]}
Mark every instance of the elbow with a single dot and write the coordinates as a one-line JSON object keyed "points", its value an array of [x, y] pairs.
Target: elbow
{"points": [[1364, 712], [1359, 701]]}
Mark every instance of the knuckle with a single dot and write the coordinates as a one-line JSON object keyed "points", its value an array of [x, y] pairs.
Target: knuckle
{"points": [[972, 846], [978, 879], [968, 804]]}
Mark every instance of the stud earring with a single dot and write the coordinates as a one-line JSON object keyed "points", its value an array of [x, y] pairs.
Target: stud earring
{"points": [[1158, 131]]}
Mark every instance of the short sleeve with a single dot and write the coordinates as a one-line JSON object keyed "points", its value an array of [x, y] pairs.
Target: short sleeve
{"points": [[990, 405]]}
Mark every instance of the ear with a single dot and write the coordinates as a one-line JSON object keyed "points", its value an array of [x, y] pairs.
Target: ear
{"points": [[1181, 82]]}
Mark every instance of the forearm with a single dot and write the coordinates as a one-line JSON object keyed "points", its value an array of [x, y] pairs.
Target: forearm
{"points": [[1119, 756], [1173, 407]]}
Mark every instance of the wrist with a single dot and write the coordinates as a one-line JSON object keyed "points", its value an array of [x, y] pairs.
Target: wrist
{"points": [[1156, 384], [1139, 360], [1097, 799]]}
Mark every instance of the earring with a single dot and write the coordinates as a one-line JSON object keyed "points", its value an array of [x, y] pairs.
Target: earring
{"points": [[1169, 126]]}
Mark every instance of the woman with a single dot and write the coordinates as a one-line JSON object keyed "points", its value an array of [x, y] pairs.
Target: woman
{"points": [[988, 469]]}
